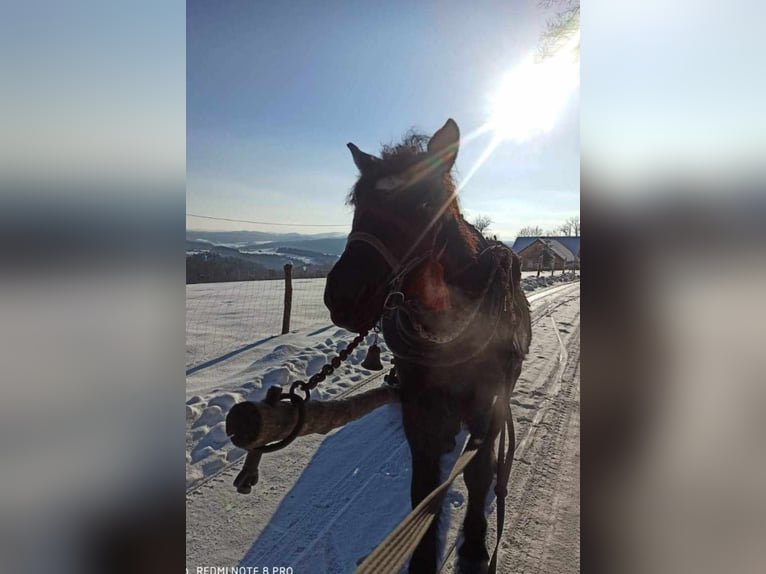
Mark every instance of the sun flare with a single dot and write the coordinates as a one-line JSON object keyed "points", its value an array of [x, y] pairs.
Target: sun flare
{"points": [[530, 97]]}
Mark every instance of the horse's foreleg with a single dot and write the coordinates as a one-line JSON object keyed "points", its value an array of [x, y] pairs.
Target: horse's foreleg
{"points": [[429, 434], [478, 477], [425, 478]]}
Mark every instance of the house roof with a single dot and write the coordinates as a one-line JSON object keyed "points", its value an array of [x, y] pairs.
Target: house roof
{"points": [[571, 244], [522, 242], [559, 249]]}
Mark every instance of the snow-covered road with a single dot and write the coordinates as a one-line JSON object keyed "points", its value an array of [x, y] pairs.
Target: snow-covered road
{"points": [[323, 503]]}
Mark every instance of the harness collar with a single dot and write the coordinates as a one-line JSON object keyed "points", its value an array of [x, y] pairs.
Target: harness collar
{"points": [[468, 337]]}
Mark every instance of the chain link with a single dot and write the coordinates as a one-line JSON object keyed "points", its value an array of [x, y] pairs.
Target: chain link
{"points": [[327, 369]]}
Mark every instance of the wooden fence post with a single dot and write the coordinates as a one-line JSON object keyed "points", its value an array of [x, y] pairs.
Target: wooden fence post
{"points": [[288, 298]]}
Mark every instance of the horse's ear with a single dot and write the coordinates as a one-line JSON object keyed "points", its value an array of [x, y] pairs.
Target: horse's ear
{"points": [[363, 161], [445, 143]]}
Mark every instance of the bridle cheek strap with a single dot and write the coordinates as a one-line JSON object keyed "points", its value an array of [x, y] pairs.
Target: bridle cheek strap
{"points": [[399, 269], [376, 244]]}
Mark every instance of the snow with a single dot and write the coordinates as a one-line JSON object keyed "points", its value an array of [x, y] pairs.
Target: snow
{"points": [[360, 469], [343, 467], [247, 376], [225, 317]]}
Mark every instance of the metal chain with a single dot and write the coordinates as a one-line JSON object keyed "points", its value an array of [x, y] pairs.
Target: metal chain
{"points": [[327, 369], [307, 386]]}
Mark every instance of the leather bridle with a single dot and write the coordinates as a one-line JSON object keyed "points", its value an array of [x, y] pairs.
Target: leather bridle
{"points": [[400, 268]]}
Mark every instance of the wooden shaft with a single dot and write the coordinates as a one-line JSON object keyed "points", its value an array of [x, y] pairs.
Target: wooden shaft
{"points": [[251, 425]]}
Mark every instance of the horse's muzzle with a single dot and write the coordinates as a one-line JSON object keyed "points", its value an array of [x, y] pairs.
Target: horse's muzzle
{"points": [[354, 322]]}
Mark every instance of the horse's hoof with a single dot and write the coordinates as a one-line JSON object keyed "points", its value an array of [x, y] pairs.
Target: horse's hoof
{"points": [[467, 566]]}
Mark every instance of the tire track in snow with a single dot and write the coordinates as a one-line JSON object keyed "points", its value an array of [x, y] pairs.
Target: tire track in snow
{"points": [[540, 391], [531, 506]]}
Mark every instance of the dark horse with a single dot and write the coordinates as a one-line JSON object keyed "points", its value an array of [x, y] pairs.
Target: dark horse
{"points": [[454, 316]]}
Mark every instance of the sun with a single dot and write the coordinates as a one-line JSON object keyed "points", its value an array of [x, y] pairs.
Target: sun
{"points": [[530, 98]]}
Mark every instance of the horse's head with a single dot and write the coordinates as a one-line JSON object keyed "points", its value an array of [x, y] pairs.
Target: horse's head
{"points": [[401, 203]]}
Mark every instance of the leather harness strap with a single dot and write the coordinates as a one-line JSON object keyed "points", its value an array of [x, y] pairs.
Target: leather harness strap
{"points": [[377, 244], [391, 554], [504, 463]]}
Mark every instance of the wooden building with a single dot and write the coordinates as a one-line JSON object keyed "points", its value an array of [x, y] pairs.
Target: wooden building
{"points": [[548, 253]]}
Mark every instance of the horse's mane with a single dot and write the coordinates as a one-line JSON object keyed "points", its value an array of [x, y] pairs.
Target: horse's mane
{"points": [[413, 144], [397, 158]]}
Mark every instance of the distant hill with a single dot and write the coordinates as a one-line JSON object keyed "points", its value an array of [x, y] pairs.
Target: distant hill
{"points": [[247, 255], [225, 264], [196, 245], [213, 268], [327, 246], [309, 256], [241, 238], [266, 260]]}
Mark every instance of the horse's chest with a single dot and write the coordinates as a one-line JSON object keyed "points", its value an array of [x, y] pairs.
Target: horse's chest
{"points": [[456, 379]]}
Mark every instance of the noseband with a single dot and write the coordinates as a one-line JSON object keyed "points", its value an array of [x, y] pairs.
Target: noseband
{"points": [[400, 268]]}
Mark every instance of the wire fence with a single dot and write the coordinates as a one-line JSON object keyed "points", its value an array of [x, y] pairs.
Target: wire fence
{"points": [[222, 318]]}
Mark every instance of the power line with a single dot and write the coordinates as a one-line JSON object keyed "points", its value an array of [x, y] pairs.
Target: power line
{"points": [[269, 222]]}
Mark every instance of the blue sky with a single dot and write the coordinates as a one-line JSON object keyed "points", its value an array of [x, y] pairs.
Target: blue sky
{"points": [[673, 88], [93, 92], [275, 90]]}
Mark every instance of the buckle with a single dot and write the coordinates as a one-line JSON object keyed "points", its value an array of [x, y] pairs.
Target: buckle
{"points": [[394, 300]]}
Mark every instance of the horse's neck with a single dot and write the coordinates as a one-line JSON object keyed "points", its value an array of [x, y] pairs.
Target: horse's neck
{"points": [[454, 280], [450, 291], [462, 268]]}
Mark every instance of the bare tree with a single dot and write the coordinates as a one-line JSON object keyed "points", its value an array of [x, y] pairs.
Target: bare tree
{"points": [[576, 225], [561, 27], [570, 227], [482, 223], [530, 231]]}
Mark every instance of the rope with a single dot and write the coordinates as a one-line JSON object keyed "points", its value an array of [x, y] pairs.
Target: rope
{"points": [[504, 461]]}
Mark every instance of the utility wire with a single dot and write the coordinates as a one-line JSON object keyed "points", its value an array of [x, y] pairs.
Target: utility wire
{"points": [[268, 222]]}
